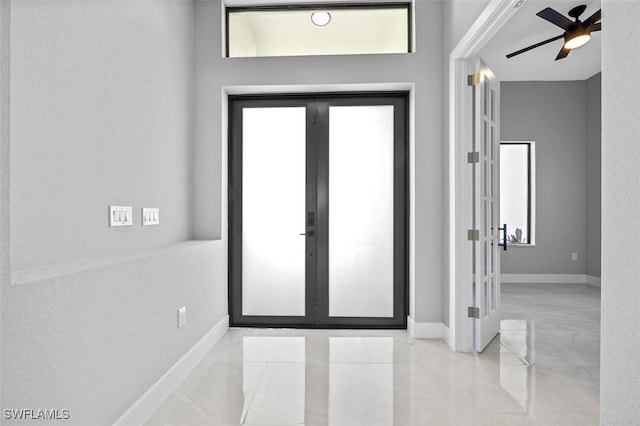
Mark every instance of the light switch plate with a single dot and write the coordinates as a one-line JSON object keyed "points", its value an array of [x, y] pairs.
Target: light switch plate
{"points": [[120, 216], [150, 216], [182, 316]]}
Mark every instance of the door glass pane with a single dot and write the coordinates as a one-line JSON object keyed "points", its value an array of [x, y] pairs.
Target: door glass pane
{"points": [[361, 211], [492, 254], [273, 211], [486, 99], [494, 295], [493, 142], [493, 186], [493, 105], [485, 215], [485, 186], [485, 255], [485, 137], [485, 298]]}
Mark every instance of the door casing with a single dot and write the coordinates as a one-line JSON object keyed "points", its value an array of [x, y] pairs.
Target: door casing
{"points": [[459, 333]]}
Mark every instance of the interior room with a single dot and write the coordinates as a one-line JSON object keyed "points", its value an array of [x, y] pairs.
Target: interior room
{"points": [[212, 216]]}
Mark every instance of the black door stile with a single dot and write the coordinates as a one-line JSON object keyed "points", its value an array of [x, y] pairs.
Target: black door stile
{"points": [[317, 203]]}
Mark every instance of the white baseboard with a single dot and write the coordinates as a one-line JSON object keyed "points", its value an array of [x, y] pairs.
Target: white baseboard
{"points": [[448, 337], [591, 280], [425, 330], [550, 279], [148, 403]]}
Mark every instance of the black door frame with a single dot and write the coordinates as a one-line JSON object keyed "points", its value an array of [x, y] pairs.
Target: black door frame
{"points": [[317, 153]]}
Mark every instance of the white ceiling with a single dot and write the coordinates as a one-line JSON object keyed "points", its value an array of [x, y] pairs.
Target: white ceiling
{"points": [[525, 29]]}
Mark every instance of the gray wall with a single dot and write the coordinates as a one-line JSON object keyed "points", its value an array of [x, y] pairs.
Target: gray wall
{"points": [[458, 16], [554, 115], [422, 68], [93, 341], [620, 343], [594, 176], [5, 267], [101, 113]]}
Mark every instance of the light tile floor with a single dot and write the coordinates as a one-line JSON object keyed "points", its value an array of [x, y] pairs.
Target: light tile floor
{"points": [[542, 370]]}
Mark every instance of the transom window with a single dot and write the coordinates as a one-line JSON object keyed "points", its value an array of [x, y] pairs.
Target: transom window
{"points": [[318, 29], [517, 191]]}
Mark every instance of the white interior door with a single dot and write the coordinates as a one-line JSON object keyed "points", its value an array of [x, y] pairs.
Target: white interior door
{"points": [[486, 207]]}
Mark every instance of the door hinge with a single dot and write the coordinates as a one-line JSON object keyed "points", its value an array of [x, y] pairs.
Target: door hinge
{"points": [[473, 157], [473, 312], [473, 79], [314, 302], [473, 235]]}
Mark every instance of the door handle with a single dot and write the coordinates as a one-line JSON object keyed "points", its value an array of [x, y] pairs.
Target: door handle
{"points": [[504, 236], [311, 221]]}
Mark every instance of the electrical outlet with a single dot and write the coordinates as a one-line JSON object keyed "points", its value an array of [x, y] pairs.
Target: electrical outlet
{"points": [[574, 256], [182, 316]]}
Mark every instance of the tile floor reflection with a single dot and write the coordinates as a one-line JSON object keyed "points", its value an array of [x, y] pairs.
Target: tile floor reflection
{"points": [[542, 370]]}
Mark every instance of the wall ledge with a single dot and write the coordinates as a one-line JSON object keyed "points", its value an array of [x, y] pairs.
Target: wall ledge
{"points": [[550, 279], [25, 276], [149, 402]]}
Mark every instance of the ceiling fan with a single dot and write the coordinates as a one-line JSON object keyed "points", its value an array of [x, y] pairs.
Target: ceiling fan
{"points": [[576, 33]]}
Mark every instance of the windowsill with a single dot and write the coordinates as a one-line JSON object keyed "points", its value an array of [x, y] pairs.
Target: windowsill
{"points": [[510, 245], [316, 55]]}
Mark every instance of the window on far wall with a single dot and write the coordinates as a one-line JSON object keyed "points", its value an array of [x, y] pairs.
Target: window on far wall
{"points": [[517, 191], [319, 29]]}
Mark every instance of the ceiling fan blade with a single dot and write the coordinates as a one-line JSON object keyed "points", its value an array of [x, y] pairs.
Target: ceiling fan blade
{"points": [[563, 53], [533, 46], [555, 18], [596, 27], [594, 18]]}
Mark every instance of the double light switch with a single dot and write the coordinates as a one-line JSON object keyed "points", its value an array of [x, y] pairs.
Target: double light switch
{"points": [[120, 215], [123, 216], [150, 216]]}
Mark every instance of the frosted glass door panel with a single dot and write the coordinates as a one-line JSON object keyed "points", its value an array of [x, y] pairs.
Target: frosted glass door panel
{"points": [[361, 211], [273, 211]]}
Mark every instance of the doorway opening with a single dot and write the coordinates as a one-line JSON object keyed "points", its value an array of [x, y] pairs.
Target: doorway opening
{"points": [[318, 210], [475, 44]]}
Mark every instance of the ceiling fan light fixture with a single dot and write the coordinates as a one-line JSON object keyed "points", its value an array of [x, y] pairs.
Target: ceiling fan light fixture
{"points": [[577, 39], [320, 18], [576, 34]]}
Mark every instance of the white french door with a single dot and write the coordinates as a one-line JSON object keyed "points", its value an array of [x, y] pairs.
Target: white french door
{"points": [[318, 210], [486, 207]]}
